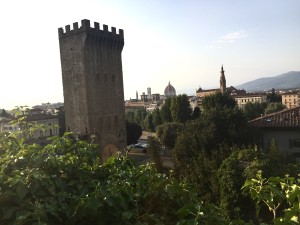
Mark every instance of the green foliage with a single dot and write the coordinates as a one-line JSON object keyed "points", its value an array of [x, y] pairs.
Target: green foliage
{"points": [[231, 178], [156, 118], [280, 195], [180, 109], [133, 131], [196, 113], [149, 126], [65, 183], [61, 120], [226, 125], [137, 116], [154, 150], [253, 110], [168, 132], [274, 107], [165, 111], [203, 145], [273, 97], [218, 100], [4, 114]]}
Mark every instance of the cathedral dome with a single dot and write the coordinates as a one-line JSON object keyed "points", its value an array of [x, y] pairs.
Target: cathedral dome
{"points": [[170, 91]]}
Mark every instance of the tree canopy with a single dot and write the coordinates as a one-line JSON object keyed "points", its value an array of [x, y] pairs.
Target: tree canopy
{"points": [[218, 100], [180, 109]]}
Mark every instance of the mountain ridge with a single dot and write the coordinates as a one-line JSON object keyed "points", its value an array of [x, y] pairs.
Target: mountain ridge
{"points": [[287, 80]]}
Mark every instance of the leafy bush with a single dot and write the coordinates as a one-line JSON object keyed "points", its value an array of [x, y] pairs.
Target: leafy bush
{"points": [[65, 183], [280, 195]]}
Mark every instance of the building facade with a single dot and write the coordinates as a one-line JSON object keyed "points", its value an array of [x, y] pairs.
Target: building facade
{"points": [[283, 128], [291, 99], [93, 84], [242, 100]]}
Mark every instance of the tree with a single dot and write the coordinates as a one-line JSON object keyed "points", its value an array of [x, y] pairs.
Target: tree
{"points": [[196, 113], [64, 182], [156, 118], [165, 111], [180, 109], [253, 110], [274, 107], [153, 150], [61, 120], [129, 116], [231, 177], [168, 132], [133, 131], [281, 196], [138, 116], [218, 100], [149, 126], [4, 114], [273, 97]]}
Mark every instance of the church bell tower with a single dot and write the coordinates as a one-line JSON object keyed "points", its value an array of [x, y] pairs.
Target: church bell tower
{"points": [[222, 81]]}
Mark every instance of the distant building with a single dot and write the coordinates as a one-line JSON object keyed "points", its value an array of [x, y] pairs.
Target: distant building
{"points": [[6, 126], [149, 92], [201, 93], [156, 97], [242, 100], [284, 128], [48, 124], [169, 91], [291, 99], [144, 97]]}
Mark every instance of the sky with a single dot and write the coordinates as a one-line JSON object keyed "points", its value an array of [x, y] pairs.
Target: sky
{"points": [[184, 42]]}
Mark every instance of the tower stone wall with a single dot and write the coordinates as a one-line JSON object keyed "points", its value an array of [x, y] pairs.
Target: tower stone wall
{"points": [[93, 83], [222, 81]]}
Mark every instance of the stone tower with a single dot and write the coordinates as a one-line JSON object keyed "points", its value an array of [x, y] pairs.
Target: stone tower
{"points": [[93, 84], [222, 81]]}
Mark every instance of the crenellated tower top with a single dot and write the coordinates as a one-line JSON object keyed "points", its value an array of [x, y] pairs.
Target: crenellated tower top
{"points": [[86, 27]]}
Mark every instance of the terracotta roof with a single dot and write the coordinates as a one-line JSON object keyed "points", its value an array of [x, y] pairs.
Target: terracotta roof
{"points": [[286, 118]]}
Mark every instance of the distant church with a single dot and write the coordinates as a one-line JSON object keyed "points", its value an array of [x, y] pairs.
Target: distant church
{"points": [[200, 93], [93, 84], [169, 91]]}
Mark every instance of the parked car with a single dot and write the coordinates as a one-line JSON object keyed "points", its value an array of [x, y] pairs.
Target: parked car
{"points": [[137, 148]]}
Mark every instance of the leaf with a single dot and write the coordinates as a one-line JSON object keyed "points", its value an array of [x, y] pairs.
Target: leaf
{"points": [[127, 215], [22, 214], [8, 212], [22, 191]]}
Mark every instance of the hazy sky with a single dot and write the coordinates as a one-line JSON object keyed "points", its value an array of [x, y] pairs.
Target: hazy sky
{"points": [[184, 42]]}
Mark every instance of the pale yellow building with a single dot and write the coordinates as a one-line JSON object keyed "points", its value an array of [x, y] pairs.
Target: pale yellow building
{"points": [[291, 99], [242, 100]]}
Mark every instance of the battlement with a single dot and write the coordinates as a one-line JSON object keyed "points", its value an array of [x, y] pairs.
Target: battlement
{"points": [[86, 27]]}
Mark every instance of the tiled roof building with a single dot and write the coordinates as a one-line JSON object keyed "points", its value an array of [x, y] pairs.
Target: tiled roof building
{"points": [[287, 118], [282, 127]]}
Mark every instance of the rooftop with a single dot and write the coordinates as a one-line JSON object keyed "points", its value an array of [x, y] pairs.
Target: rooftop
{"points": [[289, 118]]}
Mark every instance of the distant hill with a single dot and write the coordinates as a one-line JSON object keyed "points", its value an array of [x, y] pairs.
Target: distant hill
{"points": [[283, 81]]}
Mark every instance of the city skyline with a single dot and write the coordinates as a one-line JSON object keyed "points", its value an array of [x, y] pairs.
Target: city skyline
{"points": [[184, 42]]}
